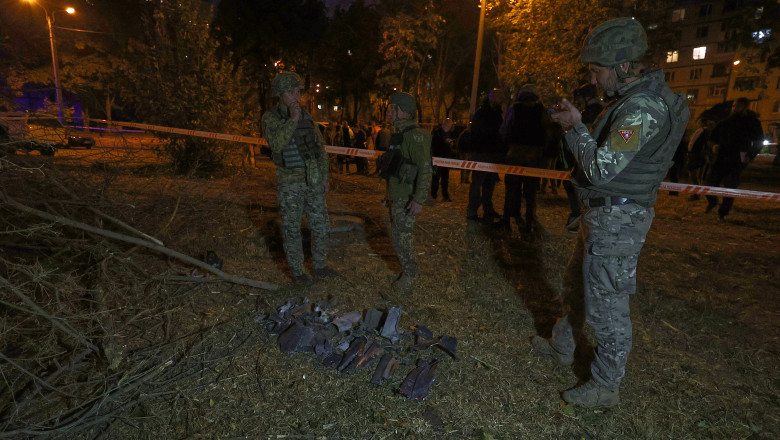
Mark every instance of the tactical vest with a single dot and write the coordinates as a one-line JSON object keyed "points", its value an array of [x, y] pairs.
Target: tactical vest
{"points": [[393, 164], [643, 175], [301, 148]]}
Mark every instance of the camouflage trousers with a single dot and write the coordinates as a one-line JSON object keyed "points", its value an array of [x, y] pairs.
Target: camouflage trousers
{"points": [[296, 199], [402, 226], [598, 280]]}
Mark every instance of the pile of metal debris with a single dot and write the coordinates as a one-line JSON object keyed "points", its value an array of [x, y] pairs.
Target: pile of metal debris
{"points": [[355, 341]]}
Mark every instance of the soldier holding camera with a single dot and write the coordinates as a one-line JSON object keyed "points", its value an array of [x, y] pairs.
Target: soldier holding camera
{"points": [[621, 162]]}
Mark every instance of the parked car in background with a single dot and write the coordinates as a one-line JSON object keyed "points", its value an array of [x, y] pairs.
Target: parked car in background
{"points": [[45, 128], [44, 133]]}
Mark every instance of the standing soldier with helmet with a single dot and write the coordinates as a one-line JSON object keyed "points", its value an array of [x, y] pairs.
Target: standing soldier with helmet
{"points": [[621, 162], [301, 176], [407, 168]]}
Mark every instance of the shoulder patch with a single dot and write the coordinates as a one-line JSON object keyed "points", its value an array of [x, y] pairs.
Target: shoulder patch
{"points": [[625, 138], [417, 137]]}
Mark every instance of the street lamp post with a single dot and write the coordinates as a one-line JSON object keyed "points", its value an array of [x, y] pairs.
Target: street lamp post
{"points": [[477, 61], [728, 83], [49, 22]]}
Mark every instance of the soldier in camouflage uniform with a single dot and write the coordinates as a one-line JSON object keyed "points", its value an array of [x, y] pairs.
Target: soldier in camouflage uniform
{"points": [[621, 163], [301, 176], [407, 183]]}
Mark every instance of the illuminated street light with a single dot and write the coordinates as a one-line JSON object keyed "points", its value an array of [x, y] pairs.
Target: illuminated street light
{"points": [[49, 22]]}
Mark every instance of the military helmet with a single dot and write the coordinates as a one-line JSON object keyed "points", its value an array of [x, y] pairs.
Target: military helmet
{"points": [[614, 42], [285, 82], [405, 101]]}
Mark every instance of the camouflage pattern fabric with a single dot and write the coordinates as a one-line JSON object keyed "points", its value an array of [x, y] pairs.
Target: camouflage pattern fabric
{"points": [[402, 227], [279, 129], [614, 42], [629, 125], [598, 281], [416, 148], [285, 82], [296, 199]]}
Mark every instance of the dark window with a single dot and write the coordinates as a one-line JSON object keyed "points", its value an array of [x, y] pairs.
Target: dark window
{"points": [[702, 31], [730, 6], [695, 73], [705, 10], [670, 77], [720, 69], [746, 83]]}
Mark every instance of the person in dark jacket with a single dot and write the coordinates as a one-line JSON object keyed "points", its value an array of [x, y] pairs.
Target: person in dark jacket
{"points": [[442, 145], [737, 140], [524, 130], [487, 146]]}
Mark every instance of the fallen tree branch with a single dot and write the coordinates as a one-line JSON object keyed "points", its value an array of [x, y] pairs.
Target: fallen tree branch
{"points": [[108, 217], [146, 244]]}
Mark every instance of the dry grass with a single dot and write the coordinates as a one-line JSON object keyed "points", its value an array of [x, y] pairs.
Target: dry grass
{"points": [[705, 356]]}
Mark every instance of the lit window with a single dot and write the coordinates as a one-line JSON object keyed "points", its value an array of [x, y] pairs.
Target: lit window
{"points": [[699, 52], [335, 108], [678, 15], [692, 94], [319, 106], [671, 56]]}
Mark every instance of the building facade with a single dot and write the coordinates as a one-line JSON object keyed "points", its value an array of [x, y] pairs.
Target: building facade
{"points": [[710, 65]]}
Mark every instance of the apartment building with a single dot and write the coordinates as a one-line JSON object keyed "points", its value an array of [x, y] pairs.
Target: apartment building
{"points": [[711, 67]]}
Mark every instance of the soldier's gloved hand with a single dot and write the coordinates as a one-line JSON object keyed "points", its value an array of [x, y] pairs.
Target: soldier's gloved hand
{"points": [[569, 117], [413, 208], [325, 186]]}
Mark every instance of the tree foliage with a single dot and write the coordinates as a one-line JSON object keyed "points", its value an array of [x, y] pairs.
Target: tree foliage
{"points": [[542, 40], [175, 78], [264, 37]]}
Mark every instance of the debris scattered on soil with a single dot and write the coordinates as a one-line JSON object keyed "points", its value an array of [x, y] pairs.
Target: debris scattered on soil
{"points": [[363, 339]]}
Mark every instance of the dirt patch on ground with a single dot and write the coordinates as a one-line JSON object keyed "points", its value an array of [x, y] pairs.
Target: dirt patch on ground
{"points": [[148, 352]]}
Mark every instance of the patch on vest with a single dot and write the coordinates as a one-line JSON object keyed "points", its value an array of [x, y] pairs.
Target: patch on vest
{"points": [[417, 137], [625, 138]]}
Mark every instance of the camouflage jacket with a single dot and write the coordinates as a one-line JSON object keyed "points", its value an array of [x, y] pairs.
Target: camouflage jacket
{"points": [[632, 143], [279, 130], [416, 148]]}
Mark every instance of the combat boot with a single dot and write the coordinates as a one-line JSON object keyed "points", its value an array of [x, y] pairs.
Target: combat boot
{"points": [[542, 347], [303, 280], [403, 285], [591, 395]]}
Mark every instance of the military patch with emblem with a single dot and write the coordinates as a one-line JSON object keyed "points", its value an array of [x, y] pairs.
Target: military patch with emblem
{"points": [[625, 138], [417, 137]]}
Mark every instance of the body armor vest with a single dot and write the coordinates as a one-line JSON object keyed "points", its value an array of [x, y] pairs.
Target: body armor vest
{"points": [[642, 176], [301, 148]]}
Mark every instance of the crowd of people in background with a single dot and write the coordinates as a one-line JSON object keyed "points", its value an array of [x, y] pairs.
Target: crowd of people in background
{"points": [[523, 134]]}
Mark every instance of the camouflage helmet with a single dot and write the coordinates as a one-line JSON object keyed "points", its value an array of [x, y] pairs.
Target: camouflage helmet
{"points": [[405, 102], [285, 82], [614, 42]]}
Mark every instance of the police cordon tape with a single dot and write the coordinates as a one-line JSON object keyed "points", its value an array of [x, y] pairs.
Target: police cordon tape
{"points": [[466, 164]]}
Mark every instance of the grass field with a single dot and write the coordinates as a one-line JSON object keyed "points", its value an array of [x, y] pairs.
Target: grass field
{"points": [[181, 357]]}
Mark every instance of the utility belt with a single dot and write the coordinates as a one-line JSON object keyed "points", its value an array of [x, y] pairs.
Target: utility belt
{"points": [[598, 202]]}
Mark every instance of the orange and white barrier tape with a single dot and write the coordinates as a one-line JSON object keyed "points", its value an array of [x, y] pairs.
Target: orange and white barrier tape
{"points": [[717, 191], [196, 133], [467, 164]]}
